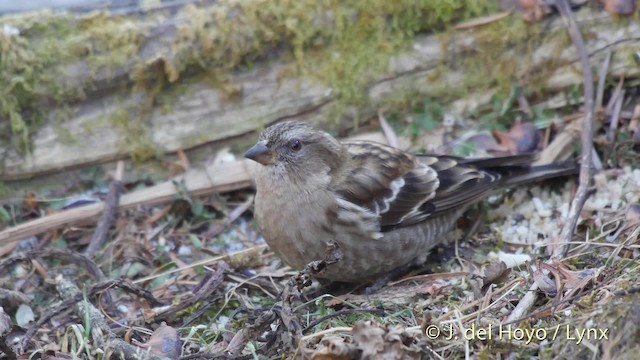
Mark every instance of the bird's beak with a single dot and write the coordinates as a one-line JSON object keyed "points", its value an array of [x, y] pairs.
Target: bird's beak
{"points": [[261, 153]]}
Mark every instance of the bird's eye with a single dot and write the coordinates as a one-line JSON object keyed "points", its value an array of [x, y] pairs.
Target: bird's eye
{"points": [[295, 145]]}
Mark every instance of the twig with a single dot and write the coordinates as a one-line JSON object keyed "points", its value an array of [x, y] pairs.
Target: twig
{"points": [[587, 131], [44, 318], [203, 291], [283, 310], [101, 334], [12, 298], [109, 212], [204, 306], [379, 312], [327, 331], [392, 139], [615, 119], [608, 110], [58, 254], [240, 339], [127, 286], [256, 249], [601, 80], [220, 178], [66, 255], [583, 191], [99, 287], [5, 329], [229, 219]]}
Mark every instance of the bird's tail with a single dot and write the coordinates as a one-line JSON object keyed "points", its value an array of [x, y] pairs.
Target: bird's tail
{"points": [[517, 169]]}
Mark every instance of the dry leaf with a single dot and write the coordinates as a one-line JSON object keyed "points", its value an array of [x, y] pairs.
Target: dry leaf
{"points": [[5, 322], [620, 7], [432, 288], [31, 201], [545, 284], [482, 20], [573, 279], [632, 215], [184, 160], [531, 10], [485, 141], [8, 248], [369, 338], [338, 300], [634, 124], [522, 137], [56, 355], [334, 347], [164, 341], [495, 272], [376, 342]]}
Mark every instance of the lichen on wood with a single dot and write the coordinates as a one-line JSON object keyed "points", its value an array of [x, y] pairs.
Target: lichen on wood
{"points": [[165, 78]]}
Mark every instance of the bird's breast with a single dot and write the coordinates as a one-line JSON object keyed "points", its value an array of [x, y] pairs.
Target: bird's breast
{"points": [[294, 223]]}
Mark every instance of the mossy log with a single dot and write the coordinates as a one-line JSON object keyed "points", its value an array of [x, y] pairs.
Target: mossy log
{"points": [[93, 87]]}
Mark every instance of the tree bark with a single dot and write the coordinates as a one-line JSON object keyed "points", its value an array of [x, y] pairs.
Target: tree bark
{"points": [[114, 116]]}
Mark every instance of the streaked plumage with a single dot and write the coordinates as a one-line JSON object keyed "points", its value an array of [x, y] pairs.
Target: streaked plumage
{"points": [[383, 207]]}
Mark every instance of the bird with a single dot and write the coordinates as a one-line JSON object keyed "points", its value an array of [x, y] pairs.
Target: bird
{"points": [[384, 208]]}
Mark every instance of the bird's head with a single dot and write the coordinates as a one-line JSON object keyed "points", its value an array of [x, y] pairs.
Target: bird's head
{"points": [[296, 146]]}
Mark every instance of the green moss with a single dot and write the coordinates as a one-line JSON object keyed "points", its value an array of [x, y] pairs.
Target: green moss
{"points": [[110, 40], [134, 134], [64, 135], [27, 72], [5, 191], [494, 66], [343, 44], [33, 60]]}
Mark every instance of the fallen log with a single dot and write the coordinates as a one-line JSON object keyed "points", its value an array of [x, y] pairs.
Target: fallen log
{"points": [[165, 93], [220, 178], [217, 178]]}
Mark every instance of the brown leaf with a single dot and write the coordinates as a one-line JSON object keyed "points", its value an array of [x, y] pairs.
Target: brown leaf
{"points": [[184, 159], [632, 215], [523, 137], [505, 141], [164, 341], [334, 347], [545, 284], [376, 342], [5, 322], [432, 288], [495, 272], [369, 338], [31, 201], [8, 248], [620, 7], [338, 300], [573, 279], [485, 141], [56, 355], [531, 10], [482, 20], [526, 136], [634, 124]]}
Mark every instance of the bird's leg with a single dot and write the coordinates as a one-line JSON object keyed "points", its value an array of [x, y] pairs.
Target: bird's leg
{"points": [[313, 269], [385, 279], [332, 255]]}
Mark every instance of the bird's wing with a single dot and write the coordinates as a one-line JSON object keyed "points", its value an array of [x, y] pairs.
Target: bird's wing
{"points": [[462, 182], [403, 189], [387, 181]]}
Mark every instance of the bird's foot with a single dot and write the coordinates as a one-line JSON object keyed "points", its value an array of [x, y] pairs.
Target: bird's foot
{"points": [[385, 279]]}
